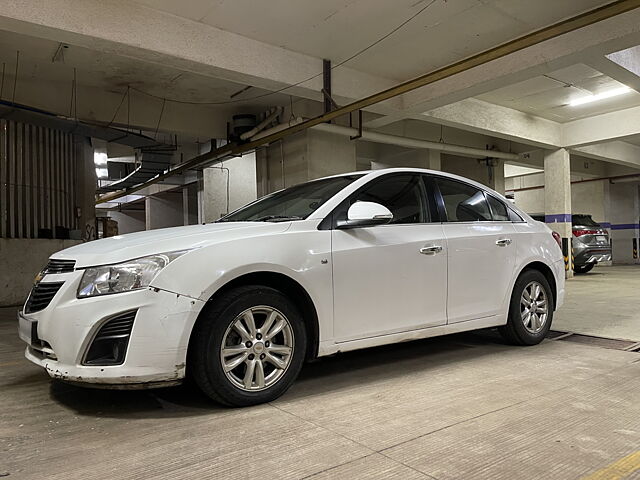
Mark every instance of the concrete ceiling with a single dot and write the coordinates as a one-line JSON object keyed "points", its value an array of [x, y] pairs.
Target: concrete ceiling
{"points": [[336, 29], [548, 96], [45, 61]]}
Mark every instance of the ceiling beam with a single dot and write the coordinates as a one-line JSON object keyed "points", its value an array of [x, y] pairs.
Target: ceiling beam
{"points": [[497, 121], [607, 36], [601, 128], [618, 152]]}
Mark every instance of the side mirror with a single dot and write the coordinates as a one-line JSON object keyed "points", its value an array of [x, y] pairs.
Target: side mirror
{"points": [[366, 214]]}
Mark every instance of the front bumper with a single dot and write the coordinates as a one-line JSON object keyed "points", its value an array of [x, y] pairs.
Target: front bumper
{"points": [[157, 349]]}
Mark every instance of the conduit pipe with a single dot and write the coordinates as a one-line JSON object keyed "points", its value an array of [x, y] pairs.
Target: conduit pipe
{"points": [[277, 128], [534, 38], [263, 124], [415, 142]]}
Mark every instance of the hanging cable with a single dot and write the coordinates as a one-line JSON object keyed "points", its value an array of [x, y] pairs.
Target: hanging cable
{"points": [[2, 84], [155, 136], [15, 77], [75, 94], [273, 92], [128, 107], [118, 109]]}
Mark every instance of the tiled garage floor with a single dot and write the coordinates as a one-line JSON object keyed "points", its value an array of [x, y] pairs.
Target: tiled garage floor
{"points": [[461, 407]]}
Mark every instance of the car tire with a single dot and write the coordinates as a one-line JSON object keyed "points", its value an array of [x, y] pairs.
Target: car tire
{"points": [[527, 324], [217, 333], [583, 268]]}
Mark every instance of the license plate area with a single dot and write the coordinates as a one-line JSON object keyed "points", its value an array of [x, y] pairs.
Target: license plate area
{"points": [[28, 330]]}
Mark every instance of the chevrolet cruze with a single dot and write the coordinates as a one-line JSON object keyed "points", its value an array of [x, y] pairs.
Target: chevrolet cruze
{"points": [[335, 264]]}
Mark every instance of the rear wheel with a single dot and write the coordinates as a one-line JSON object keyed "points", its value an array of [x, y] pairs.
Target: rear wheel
{"points": [[530, 310], [583, 268], [249, 347]]}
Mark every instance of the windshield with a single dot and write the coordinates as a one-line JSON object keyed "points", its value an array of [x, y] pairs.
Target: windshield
{"points": [[293, 203]]}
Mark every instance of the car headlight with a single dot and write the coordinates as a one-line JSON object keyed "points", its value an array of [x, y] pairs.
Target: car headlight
{"points": [[124, 277]]}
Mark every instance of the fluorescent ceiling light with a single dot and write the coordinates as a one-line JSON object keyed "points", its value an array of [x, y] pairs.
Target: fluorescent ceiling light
{"points": [[599, 96]]}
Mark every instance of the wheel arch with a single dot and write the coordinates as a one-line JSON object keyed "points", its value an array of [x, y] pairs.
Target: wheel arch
{"points": [[289, 287], [548, 274]]}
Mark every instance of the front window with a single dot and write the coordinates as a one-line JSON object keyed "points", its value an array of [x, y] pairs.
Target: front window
{"points": [[293, 203], [462, 202], [402, 194]]}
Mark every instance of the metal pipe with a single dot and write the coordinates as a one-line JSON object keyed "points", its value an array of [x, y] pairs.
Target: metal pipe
{"points": [[416, 142], [261, 126], [583, 20], [278, 128]]}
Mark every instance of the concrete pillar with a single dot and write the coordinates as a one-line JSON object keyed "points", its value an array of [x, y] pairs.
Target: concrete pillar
{"points": [[329, 154], [497, 179], [557, 198], [85, 188], [163, 210], [306, 156], [226, 187], [624, 208], [434, 160]]}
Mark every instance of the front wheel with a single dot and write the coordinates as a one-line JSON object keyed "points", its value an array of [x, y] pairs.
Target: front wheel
{"points": [[530, 310], [249, 347], [583, 268]]}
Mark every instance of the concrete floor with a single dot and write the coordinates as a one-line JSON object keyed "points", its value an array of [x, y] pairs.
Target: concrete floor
{"points": [[461, 407], [604, 302]]}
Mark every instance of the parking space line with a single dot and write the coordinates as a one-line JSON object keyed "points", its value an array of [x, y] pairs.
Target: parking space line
{"points": [[618, 469]]}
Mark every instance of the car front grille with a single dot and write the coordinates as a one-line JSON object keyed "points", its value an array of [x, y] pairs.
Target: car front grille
{"points": [[41, 295], [60, 266], [109, 346]]}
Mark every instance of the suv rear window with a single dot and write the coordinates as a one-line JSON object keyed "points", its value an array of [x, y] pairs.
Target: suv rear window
{"points": [[584, 221]]}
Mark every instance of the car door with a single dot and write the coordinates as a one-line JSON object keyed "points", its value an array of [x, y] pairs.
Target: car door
{"points": [[382, 283], [481, 243]]}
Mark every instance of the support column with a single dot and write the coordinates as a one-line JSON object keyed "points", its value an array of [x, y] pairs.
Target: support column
{"points": [[433, 159], [306, 156], [163, 210], [226, 187], [624, 208], [497, 179], [557, 199]]}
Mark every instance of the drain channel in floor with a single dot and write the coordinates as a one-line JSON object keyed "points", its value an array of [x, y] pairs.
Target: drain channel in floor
{"points": [[612, 343]]}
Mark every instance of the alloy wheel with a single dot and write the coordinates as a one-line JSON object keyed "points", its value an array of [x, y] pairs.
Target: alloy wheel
{"points": [[534, 307], [257, 348]]}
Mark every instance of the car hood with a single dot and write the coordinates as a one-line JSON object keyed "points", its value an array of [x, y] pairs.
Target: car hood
{"points": [[135, 245]]}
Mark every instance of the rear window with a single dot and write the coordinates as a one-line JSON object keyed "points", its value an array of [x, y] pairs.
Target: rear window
{"points": [[584, 220]]}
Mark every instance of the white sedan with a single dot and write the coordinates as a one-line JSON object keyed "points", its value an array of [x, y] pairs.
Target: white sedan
{"points": [[335, 264]]}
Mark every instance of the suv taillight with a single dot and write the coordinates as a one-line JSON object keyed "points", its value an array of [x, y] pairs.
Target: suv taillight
{"points": [[557, 238], [580, 232]]}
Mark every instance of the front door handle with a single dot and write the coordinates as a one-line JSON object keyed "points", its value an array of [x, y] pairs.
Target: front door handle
{"points": [[503, 242], [432, 250]]}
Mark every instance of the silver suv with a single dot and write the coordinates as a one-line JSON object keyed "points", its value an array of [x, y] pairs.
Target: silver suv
{"points": [[590, 243]]}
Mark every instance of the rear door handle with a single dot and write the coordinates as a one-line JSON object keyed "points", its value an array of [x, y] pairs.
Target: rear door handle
{"points": [[503, 242], [432, 250]]}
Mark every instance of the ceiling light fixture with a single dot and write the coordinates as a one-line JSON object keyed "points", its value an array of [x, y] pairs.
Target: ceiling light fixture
{"points": [[599, 96]]}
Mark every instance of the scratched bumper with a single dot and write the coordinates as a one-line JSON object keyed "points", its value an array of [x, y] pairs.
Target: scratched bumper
{"points": [[157, 348]]}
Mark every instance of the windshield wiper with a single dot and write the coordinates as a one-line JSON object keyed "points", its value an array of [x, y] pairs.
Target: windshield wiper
{"points": [[276, 218]]}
